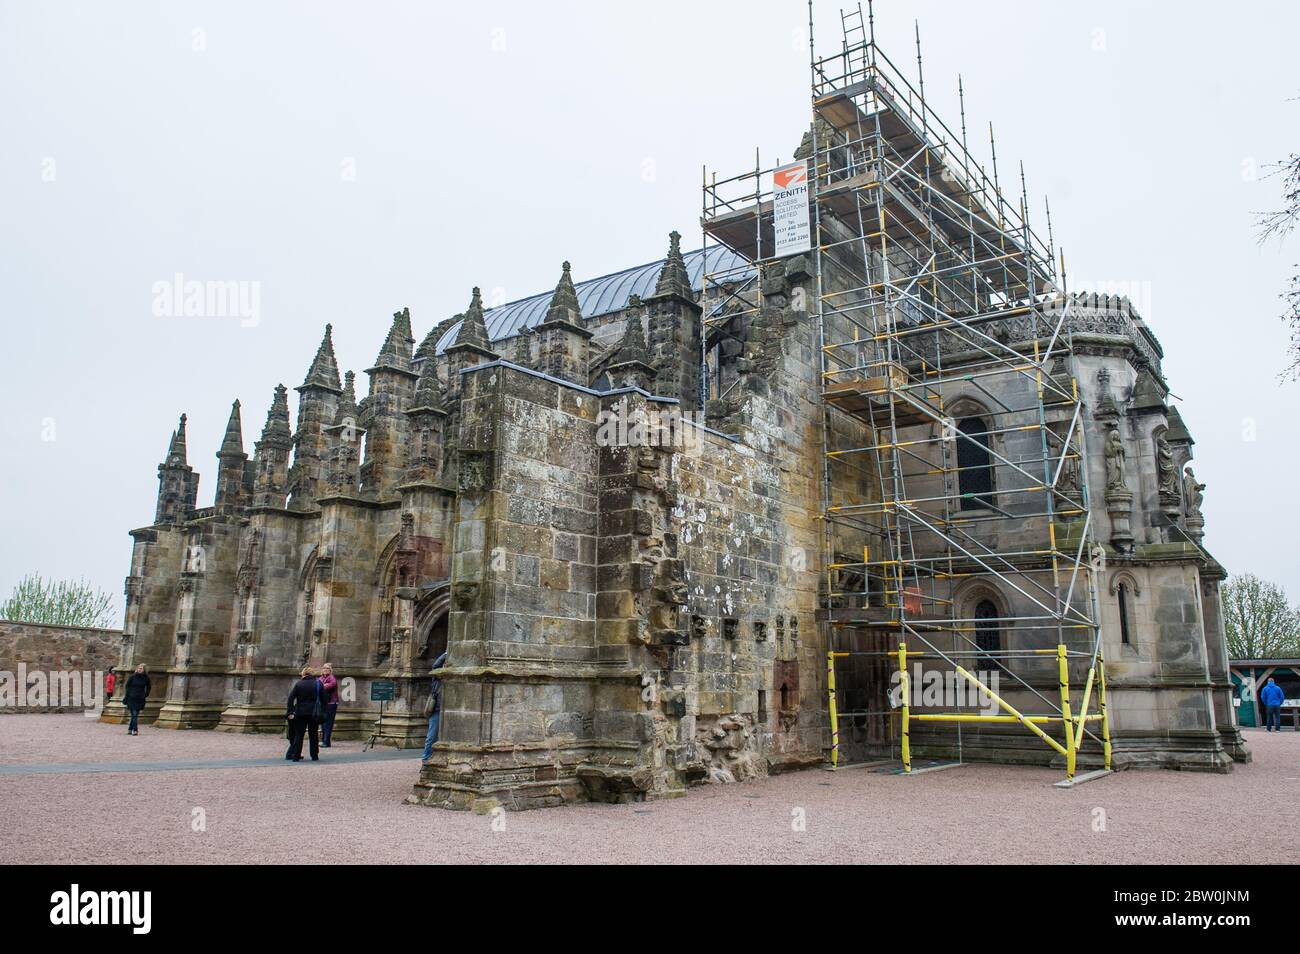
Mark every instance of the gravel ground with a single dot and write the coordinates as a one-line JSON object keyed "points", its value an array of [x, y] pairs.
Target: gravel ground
{"points": [[264, 814]]}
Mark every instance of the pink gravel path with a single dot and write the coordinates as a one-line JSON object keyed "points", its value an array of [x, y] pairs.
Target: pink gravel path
{"points": [[969, 814]]}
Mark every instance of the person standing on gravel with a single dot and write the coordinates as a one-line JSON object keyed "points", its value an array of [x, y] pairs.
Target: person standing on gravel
{"points": [[1272, 696], [304, 711], [329, 685], [433, 708], [137, 691]]}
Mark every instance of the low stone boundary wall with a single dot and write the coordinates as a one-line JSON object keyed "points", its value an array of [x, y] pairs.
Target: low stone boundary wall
{"points": [[57, 652]]}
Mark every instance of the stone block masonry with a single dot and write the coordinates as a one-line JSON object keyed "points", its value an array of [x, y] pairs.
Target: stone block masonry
{"points": [[54, 649]]}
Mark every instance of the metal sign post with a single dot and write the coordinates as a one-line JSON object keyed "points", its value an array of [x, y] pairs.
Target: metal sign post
{"points": [[381, 691]]}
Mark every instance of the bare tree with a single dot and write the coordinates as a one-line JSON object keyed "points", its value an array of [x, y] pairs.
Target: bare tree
{"points": [[1260, 623], [63, 603], [1279, 224]]}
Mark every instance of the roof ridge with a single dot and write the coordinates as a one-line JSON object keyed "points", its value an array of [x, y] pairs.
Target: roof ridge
{"points": [[507, 320]]}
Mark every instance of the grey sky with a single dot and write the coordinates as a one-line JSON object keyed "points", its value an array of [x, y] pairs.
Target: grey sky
{"points": [[355, 158]]}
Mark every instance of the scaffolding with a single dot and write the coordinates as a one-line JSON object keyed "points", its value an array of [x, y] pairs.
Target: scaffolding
{"points": [[957, 532]]}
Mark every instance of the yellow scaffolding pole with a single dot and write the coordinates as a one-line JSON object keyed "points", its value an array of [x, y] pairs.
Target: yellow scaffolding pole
{"points": [[1083, 707], [1023, 720], [1101, 705], [835, 718], [906, 710], [1064, 668]]}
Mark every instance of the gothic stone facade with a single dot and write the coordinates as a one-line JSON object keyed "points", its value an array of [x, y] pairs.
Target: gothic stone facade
{"points": [[624, 615], [627, 597]]}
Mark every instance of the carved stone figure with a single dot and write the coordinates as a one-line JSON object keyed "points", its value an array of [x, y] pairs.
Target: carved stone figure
{"points": [[1192, 494], [1116, 462], [1166, 472]]}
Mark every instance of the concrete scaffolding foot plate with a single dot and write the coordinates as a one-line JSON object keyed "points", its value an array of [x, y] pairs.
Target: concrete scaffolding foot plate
{"points": [[1085, 777], [859, 765], [919, 768]]}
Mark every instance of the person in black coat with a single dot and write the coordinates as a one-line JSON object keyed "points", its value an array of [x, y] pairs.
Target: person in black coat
{"points": [[304, 700], [137, 691]]}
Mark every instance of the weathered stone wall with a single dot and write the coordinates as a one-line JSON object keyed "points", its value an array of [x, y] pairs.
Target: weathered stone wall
{"points": [[629, 614], [751, 674], [520, 682], [54, 649]]}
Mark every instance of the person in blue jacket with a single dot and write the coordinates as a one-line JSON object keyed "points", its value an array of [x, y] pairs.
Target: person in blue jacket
{"points": [[1272, 696]]}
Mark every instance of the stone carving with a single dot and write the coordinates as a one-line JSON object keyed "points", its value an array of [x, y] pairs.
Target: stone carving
{"points": [[1166, 472], [1192, 493], [1119, 499], [729, 749], [464, 594], [473, 474], [1069, 482], [1192, 499], [1116, 461]]}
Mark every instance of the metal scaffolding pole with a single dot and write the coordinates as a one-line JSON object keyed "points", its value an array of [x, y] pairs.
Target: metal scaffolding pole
{"points": [[954, 472]]}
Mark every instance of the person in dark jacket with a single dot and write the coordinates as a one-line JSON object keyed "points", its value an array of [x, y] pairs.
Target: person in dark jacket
{"points": [[1272, 696], [433, 708], [137, 691], [304, 699]]}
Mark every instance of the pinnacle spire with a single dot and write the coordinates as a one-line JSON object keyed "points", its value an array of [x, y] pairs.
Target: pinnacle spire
{"points": [[523, 350], [674, 279], [564, 303], [176, 449], [428, 392], [429, 346], [324, 370], [473, 330], [632, 347], [348, 412], [233, 443], [276, 432], [396, 352]]}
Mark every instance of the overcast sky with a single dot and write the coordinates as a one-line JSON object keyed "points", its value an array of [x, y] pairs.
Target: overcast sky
{"points": [[350, 159]]}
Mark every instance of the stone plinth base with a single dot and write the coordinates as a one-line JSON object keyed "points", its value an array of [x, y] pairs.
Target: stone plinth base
{"points": [[349, 724], [189, 715], [115, 712], [1190, 751], [401, 730], [515, 777], [248, 718], [1234, 744], [1196, 752]]}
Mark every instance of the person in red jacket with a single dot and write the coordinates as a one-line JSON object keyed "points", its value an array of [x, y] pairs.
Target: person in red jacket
{"points": [[329, 686], [110, 683]]}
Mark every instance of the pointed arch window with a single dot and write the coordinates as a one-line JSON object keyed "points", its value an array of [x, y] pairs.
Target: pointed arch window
{"points": [[1122, 596], [988, 636], [975, 464]]}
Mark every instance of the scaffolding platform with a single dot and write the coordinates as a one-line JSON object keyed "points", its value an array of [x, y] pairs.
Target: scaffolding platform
{"points": [[952, 431]]}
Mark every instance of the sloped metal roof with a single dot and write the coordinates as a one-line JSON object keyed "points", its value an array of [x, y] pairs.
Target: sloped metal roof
{"points": [[596, 296]]}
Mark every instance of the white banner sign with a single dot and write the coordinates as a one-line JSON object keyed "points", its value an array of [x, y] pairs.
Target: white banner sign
{"points": [[790, 209]]}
